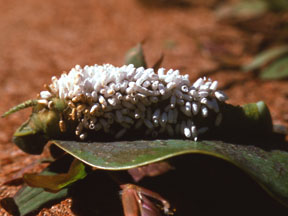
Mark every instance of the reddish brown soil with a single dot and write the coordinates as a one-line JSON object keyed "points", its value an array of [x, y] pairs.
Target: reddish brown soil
{"points": [[41, 39]]}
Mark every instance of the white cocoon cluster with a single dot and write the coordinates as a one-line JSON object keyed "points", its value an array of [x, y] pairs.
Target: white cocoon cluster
{"points": [[133, 98]]}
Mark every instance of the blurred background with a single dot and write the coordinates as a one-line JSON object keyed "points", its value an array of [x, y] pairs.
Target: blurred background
{"points": [[241, 43]]}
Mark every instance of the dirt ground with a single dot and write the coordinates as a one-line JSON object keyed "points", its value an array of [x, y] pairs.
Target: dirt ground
{"points": [[40, 39]]}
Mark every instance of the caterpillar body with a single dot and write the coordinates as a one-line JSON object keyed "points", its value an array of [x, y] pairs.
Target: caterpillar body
{"points": [[118, 101]]}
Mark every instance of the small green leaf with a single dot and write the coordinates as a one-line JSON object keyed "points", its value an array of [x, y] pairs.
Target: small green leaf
{"points": [[136, 57], [276, 70], [29, 199], [55, 183], [266, 57], [246, 9]]}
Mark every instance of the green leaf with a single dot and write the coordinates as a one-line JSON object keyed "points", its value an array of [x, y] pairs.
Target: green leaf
{"points": [[29, 199], [266, 57], [55, 183], [243, 10], [277, 70], [268, 168], [136, 57]]}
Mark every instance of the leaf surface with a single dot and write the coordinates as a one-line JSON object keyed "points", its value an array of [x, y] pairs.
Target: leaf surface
{"points": [[266, 57], [277, 70], [242, 10], [268, 168], [136, 57], [29, 199], [56, 182]]}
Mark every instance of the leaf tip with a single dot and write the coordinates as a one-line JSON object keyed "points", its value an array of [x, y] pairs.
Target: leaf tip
{"points": [[136, 56]]}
